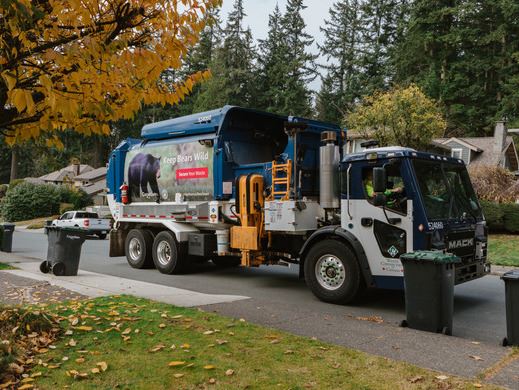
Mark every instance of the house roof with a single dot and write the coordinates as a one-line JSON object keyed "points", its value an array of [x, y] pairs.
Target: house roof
{"points": [[94, 188], [92, 175], [59, 175], [462, 141], [484, 148]]}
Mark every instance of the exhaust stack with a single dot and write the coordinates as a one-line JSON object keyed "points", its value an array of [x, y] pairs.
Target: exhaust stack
{"points": [[329, 171]]}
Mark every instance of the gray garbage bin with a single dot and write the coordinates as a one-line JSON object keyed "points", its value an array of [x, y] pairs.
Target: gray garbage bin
{"points": [[511, 280], [429, 290], [6, 241], [63, 251]]}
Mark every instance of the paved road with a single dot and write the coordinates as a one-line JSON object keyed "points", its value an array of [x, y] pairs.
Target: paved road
{"points": [[479, 305], [280, 300]]}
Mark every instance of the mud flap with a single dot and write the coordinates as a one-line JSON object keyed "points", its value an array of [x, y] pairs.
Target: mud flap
{"points": [[117, 238]]}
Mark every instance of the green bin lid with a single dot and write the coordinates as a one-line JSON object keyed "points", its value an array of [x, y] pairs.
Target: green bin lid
{"points": [[511, 275], [434, 256]]}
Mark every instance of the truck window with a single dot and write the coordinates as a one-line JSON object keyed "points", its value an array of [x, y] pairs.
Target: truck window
{"points": [[396, 199]]}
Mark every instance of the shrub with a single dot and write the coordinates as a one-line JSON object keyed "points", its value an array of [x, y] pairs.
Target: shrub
{"points": [[64, 207], [28, 201], [3, 190], [13, 183], [77, 197], [511, 217], [494, 215], [494, 184]]}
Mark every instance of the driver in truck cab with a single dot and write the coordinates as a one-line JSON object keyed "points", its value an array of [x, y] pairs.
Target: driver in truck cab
{"points": [[394, 191]]}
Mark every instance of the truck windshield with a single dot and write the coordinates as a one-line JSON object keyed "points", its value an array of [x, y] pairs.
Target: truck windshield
{"points": [[446, 191]]}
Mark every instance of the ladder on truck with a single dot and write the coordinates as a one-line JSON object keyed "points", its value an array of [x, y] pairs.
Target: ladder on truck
{"points": [[281, 178]]}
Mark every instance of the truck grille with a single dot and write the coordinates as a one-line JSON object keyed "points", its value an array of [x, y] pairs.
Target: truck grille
{"points": [[461, 243]]}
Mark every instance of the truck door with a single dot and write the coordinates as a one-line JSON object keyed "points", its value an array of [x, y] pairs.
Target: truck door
{"points": [[385, 231]]}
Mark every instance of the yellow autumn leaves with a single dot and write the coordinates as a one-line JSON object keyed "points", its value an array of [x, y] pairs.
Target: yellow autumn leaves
{"points": [[82, 64], [403, 116]]}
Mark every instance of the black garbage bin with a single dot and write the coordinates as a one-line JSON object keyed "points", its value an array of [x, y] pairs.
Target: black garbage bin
{"points": [[429, 290], [511, 280], [63, 251], [6, 241], [48, 223]]}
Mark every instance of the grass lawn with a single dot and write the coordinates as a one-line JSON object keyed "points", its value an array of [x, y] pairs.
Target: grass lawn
{"points": [[129, 343], [5, 266], [503, 249]]}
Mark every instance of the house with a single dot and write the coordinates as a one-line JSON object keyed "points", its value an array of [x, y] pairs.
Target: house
{"points": [[66, 175], [93, 182], [498, 150]]}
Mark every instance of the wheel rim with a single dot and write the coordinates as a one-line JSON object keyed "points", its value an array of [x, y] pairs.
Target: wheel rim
{"points": [[330, 272], [164, 253], [135, 249]]}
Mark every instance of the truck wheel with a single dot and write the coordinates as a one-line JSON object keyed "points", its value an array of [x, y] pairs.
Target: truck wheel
{"points": [[226, 261], [167, 256], [138, 247], [101, 236], [332, 272]]}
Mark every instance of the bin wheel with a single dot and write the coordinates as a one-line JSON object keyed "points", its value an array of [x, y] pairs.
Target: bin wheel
{"points": [[332, 272], [446, 331], [138, 247], [58, 269], [403, 324], [226, 261], [504, 343], [167, 255], [44, 267]]}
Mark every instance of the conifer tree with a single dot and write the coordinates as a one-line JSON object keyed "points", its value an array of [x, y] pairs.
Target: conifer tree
{"points": [[231, 66], [340, 53]]}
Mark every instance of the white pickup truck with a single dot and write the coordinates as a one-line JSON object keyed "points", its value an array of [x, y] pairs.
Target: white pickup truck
{"points": [[90, 222]]}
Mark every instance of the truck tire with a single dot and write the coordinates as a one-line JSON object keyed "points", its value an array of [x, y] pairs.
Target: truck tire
{"points": [[101, 236], [167, 255], [332, 272], [138, 248], [226, 261]]}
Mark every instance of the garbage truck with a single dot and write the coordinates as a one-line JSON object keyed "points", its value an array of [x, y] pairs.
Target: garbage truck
{"points": [[242, 187]]}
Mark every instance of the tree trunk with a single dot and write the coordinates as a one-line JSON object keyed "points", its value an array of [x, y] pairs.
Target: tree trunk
{"points": [[14, 163]]}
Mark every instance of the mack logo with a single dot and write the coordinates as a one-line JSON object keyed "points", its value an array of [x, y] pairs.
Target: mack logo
{"points": [[461, 243]]}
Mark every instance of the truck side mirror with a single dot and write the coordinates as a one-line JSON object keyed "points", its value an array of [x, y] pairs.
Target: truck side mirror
{"points": [[379, 199], [379, 179]]}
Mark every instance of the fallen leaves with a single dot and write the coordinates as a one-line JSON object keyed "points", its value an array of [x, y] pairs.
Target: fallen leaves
{"points": [[229, 372], [176, 363], [375, 319], [416, 379], [209, 367], [476, 358], [157, 348]]}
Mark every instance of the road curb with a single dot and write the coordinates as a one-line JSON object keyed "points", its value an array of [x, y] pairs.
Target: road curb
{"points": [[95, 285]]}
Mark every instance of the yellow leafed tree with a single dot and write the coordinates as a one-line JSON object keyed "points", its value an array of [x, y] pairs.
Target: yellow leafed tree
{"points": [[79, 64]]}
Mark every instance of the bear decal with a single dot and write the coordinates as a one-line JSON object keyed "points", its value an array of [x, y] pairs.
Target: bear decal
{"points": [[143, 171]]}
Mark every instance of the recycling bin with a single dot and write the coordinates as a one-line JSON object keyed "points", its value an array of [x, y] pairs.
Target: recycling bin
{"points": [[63, 251], [429, 290], [511, 280], [6, 241]]}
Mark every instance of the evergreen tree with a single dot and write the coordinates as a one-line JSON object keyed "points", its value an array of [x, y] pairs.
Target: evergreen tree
{"points": [[378, 36], [232, 66], [272, 66], [462, 54], [300, 65], [341, 85]]}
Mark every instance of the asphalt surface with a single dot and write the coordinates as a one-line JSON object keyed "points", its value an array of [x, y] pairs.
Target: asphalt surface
{"points": [[280, 300]]}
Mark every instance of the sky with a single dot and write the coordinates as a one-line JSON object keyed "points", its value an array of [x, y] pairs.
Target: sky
{"points": [[258, 16]]}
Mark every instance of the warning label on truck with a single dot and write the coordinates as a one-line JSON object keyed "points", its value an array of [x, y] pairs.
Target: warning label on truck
{"points": [[168, 171]]}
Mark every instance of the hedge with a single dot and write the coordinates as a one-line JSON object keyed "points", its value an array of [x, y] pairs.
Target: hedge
{"points": [[28, 201], [501, 217]]}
